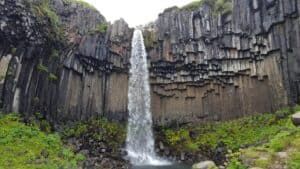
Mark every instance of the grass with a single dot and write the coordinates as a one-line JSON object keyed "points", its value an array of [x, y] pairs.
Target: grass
{"points": [[149, 38], [218, 6], [82, 3], [43, 11], [111, 132], [287, 140], [52, 77], [101, 27], [54, 54], [2, 77], [27, 147], [234, 134], [42, 68]]}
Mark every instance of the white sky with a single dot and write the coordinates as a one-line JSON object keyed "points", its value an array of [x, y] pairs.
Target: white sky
{"points": [[135, 12]]}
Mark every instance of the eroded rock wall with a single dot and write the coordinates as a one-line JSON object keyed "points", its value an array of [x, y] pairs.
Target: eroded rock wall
{"points": [[85, 77], [203, 66], [207, 67]]}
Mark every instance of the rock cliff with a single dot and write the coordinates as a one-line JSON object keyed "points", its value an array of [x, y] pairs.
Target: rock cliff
{"points": [[79, 74], [63, 59], [207, 66]]}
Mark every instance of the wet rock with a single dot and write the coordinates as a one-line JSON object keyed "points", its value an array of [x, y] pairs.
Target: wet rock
{"points": [[204, 165], [161, 146], [296, 119]]}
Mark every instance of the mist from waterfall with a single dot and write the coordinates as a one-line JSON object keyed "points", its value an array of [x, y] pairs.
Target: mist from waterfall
{"points": [[140, 142]]}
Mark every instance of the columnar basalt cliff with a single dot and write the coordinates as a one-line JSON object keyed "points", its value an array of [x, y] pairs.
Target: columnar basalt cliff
{"points": [[210, 67], [62, 58], [80, 73]]}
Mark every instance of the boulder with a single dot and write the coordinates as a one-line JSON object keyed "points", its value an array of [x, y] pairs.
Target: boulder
{"points": [[205, 165], [296, 119]]}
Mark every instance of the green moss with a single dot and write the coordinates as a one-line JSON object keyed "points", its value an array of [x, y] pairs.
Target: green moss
{"points": [[280, 141], [9, 72], [101, 27], [42, 68], [235, 163], [82, 3], [234, 134], [43, 11], [52, 77], [2, 77], [13, 50], [192, 6], [54, 54], [262, 163], [27, 147], [149, 38], [218, 6], [113, 133], [294, 161]]}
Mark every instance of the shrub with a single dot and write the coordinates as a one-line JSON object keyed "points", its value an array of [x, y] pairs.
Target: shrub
{"points": [[101, 27], [42, 68], [52, 77], [234, 163], [54, 54]]}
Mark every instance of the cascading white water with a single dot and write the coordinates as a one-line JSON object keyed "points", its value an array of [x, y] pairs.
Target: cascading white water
{"points": [[140, 142]]}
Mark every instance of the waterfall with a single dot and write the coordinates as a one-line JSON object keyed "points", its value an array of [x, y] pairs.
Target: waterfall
{"points": [[140, 142]]}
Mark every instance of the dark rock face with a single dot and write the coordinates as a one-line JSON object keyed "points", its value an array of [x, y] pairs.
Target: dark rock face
{"points": [[203, 67], [217, 68], [84, 78]]}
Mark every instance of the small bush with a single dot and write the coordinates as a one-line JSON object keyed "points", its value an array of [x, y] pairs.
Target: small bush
{"points": [[42, 68], [234, 163], [54, 54], [52, 77], [102, 27]]}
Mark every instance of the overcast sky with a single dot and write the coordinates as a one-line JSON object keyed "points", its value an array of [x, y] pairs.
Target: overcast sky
{"points": [[135, 12]]}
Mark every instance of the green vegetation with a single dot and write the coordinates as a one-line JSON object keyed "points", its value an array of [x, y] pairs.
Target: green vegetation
{"points": [[286, 140], [25, 146], [82, 3], [234, 134], [43, 10], [265, 155], [149, 38], [101, 27], [54, 54], [42, 68], [113, 133], [13, 50], [2, 77], [218, 6], [9, 72], [52, 77]]}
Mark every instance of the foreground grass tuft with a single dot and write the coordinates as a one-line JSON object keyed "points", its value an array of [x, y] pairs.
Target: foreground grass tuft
{"points": [[25, 146]]}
